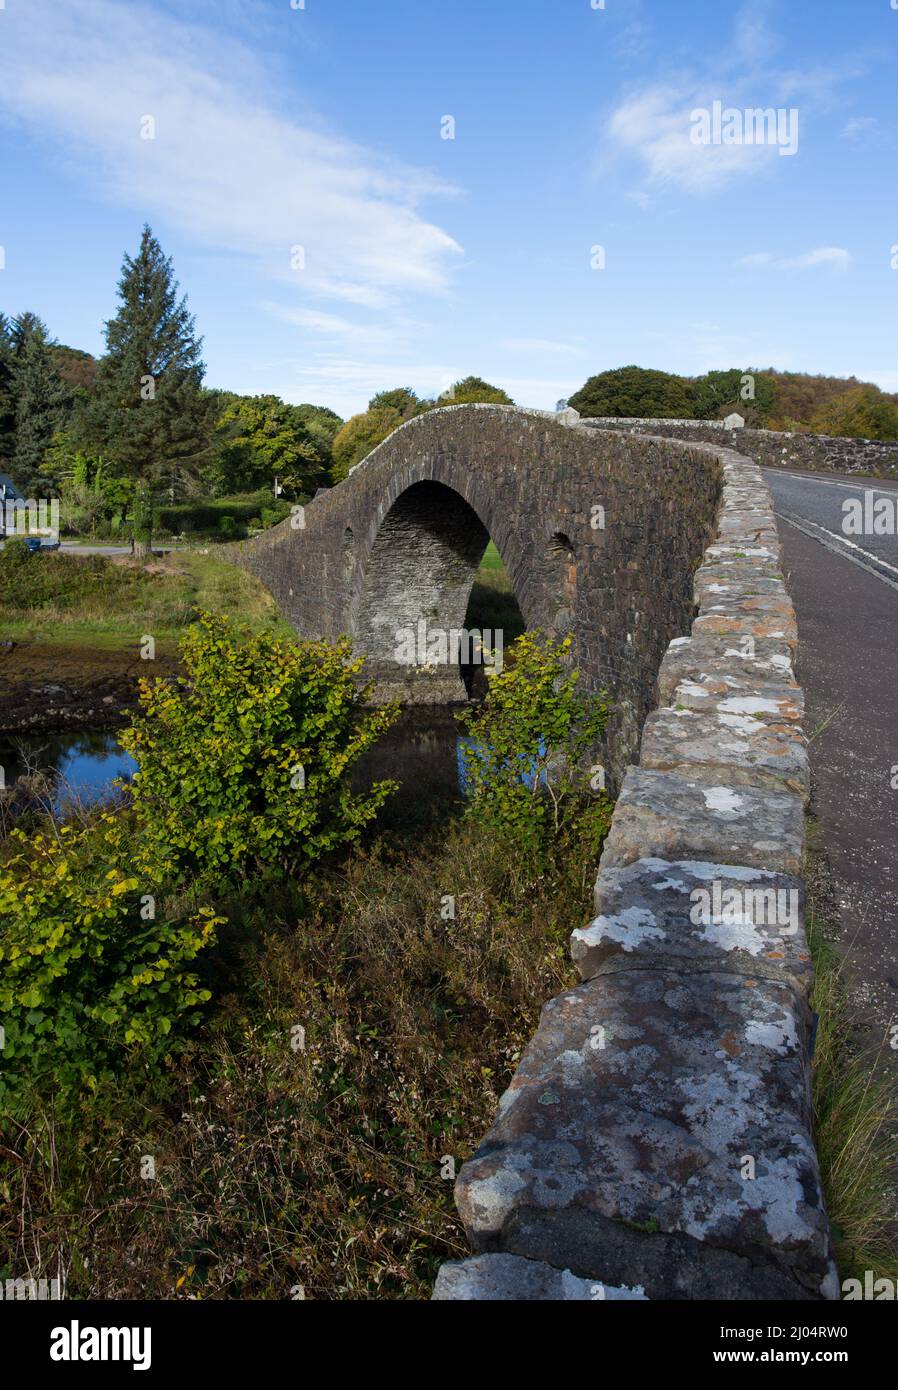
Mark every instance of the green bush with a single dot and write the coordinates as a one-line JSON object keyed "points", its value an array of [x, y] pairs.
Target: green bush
{"points": [[88, 972], [245, 759], [635, 393], [529, 746]]}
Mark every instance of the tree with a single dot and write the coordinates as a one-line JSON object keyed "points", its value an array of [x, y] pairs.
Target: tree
{"points": [[359, 436], [717, 394], [322, 426], [42, 403], [246, 759], [530, 746], [403, 399], [473, 390], [861, 413], [149, 416], [635, 393], [7, 393], [261, 438]]}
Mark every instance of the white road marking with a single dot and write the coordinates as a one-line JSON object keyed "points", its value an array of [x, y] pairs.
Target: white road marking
{"points": [[863, 484], [843, 547]]}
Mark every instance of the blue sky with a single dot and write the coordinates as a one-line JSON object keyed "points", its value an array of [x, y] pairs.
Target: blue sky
{"points": [[427, 258]]}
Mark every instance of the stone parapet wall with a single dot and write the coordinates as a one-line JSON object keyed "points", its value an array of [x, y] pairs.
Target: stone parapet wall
{"points": [[821, 453], [656, 1139]]}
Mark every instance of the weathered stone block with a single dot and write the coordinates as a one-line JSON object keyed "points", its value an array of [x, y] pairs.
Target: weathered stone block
{"points": [[739, 740], [751, 619], [670, 1103], [665, 815], [492, 1278], [725, 665], [697, 916]]}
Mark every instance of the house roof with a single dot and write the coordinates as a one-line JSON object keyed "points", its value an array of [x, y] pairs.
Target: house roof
{"points": [[8, 488]]}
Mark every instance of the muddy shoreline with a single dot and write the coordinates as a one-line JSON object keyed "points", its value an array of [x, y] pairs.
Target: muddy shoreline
{"points": [[47, 689]]}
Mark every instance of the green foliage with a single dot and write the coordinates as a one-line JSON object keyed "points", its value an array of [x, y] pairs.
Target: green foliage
{"points": [[860, 413], [718, 394], [259, 438], [42, 403], [635, 392], [84, 977], [204, 518], [403, 399], [245, 760], [527, 745], [473, 390], [148, 414], [359, 436], [72, 583]]}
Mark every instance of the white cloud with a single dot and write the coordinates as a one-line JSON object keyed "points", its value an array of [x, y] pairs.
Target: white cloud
{"points": [[228, 165], [539, 345], [655, 126], [652, 123], [835, 257]]}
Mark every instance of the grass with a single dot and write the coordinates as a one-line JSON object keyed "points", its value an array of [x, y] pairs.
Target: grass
{"points": [[492, 603], [856, 1126], [96, 601], [325, 1167]]}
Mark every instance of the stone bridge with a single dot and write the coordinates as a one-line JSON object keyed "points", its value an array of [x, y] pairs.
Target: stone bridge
{"points": [[656, 1140], [599, 533]]}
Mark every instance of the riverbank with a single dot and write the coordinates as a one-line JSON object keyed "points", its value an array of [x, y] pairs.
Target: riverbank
{"points": [[55, 687]]}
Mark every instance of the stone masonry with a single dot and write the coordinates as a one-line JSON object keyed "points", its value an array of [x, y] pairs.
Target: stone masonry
{"points": [[823, 453], [656, 1141], [600, 535]]}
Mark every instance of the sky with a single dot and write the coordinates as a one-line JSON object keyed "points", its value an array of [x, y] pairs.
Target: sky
{"points": [[293, 157]]}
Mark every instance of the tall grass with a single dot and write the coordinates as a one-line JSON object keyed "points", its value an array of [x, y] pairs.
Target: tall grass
{"points": [[856, 1123], [327, 1165]]}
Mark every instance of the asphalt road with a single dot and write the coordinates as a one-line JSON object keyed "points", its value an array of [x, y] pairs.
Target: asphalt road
{"points": [[845, 591]]}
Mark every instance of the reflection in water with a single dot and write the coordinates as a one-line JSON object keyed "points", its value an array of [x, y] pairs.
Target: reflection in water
{"points": [[423, 752], [81, 766]]}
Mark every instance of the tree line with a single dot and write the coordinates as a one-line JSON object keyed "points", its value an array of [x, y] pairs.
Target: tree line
{"points": [[766, 399], [138, 428]]}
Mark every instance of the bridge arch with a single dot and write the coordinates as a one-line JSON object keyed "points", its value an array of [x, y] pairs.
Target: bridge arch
{"points": [[402, 537]]}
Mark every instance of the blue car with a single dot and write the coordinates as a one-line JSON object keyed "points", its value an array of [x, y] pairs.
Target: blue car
{"points": [[35, 544]]}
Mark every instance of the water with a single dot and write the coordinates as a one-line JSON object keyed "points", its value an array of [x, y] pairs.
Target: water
{"points": [[81, 766], [422, 752]]}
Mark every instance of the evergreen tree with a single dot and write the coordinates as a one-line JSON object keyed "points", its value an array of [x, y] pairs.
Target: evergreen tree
{"points": [[149, 415], [7, 394], [42, 401]]}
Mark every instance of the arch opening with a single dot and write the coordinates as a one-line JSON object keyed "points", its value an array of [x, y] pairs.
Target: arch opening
{"points": [[433, 581]]}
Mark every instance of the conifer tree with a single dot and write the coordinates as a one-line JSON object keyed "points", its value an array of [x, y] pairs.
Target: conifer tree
{"points": [[149, 415], [41, 400], [7, 395]]}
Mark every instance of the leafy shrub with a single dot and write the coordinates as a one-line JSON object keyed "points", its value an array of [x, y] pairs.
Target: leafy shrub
{"points": [[526, 747], [635, 392], [88, 972], [245, 759]]}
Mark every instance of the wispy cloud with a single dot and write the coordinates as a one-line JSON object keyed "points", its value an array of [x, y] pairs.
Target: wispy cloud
{"points": [[540, 346], [652, 124], [228, 165], [834, 257]]}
